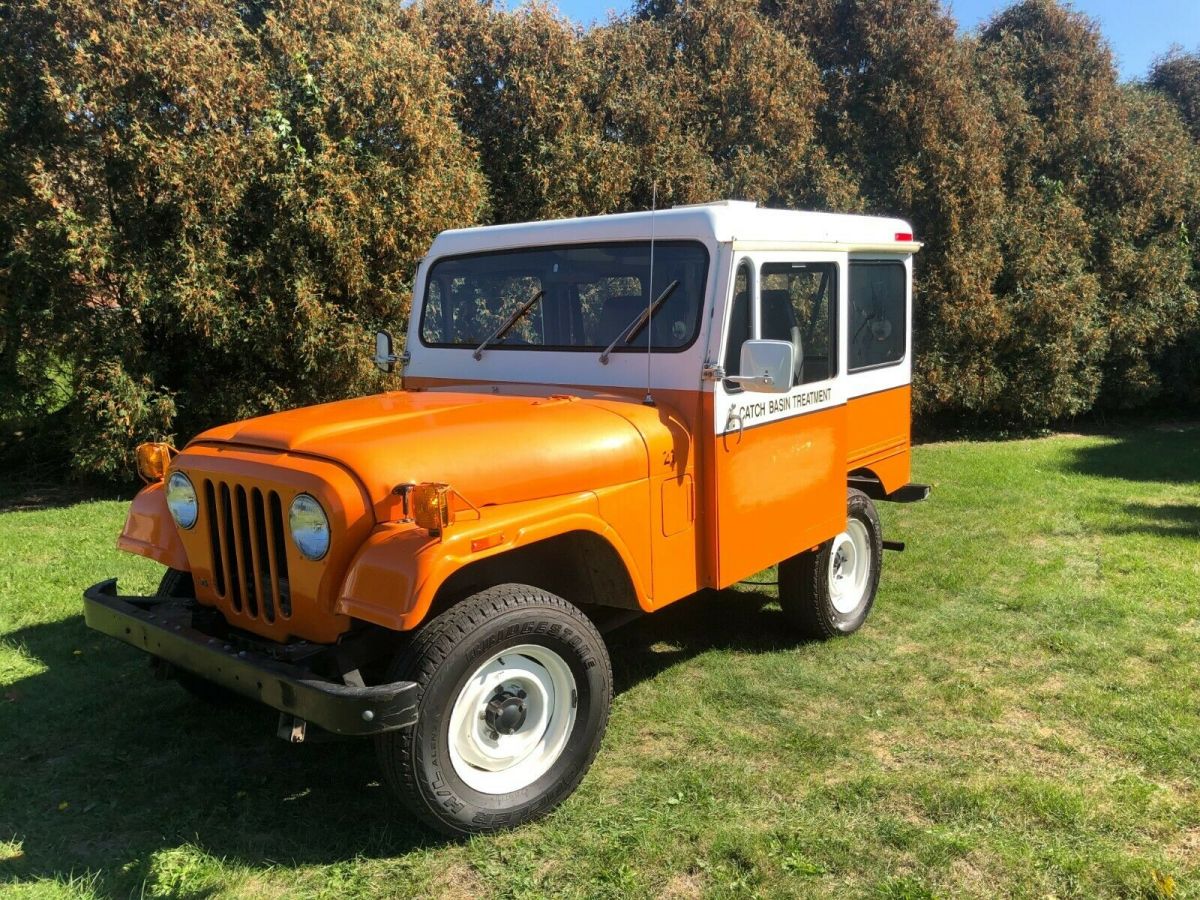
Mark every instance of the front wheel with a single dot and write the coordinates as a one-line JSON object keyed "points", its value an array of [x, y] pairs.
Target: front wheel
{"points": [[514, 691], [828, 591]]}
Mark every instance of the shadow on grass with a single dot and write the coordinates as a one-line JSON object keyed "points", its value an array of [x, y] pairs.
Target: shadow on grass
{"points": [[18, 495], [1161, 454], [109, 771], [713, 620], [1167, 520]]}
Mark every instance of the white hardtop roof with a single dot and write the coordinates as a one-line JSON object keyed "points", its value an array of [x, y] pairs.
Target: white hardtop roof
{"points": [[723, 221]]}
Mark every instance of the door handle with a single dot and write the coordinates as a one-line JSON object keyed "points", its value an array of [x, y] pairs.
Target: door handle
{"points": [[741, 425]]}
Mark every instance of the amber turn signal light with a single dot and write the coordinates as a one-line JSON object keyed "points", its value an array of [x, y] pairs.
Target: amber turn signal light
{"points": [[431, 506], [153, 460]]}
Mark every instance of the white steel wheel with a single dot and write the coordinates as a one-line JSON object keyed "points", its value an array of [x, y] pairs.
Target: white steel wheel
{"points": [[514, 686], [511, 720], [828, 591], [850, 567]]}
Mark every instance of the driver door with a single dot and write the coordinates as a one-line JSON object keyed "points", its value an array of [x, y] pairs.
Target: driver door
{"points": [[780, 458]]}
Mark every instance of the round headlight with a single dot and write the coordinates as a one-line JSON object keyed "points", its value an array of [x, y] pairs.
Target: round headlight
{"points": [[181, 500], [310, 527]]}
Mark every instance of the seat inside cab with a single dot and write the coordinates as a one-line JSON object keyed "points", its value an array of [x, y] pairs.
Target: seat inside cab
{"points": [[616, 313], [779, 324]]}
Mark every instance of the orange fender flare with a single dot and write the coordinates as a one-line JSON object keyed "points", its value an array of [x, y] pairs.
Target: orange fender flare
{"points": [[397, 572], [150, 531]]}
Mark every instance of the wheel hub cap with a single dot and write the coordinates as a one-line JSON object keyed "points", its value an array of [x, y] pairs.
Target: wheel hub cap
{"points": [[505, 714], [850, 568]]}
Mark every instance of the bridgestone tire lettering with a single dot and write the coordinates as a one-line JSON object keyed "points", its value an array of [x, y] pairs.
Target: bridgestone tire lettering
{"points": [[441, 656]]}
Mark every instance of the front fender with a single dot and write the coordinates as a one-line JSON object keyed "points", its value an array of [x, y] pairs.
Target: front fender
{"points": [[150, 531], [397, 572]]}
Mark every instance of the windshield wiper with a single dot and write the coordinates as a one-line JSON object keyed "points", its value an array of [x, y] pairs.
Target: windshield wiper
{"points": [[512, 320], [634, 328]]}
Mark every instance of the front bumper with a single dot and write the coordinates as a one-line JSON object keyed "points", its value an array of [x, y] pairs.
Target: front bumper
{"points": [[163, 628]]}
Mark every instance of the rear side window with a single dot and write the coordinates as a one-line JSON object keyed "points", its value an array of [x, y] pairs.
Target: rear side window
{"points": [[878, 314]]}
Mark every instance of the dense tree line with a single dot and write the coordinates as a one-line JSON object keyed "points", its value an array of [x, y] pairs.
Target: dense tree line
{"points": [[207, 207]]}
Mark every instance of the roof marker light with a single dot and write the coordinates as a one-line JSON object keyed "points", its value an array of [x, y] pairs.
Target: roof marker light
{"points": [[904, 235]]}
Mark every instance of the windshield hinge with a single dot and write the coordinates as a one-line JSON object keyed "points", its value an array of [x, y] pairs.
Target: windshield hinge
{"points": [[712, 372]]}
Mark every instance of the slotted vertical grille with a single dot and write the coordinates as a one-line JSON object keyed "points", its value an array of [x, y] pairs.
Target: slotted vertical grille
{"points": [[248, 551]]}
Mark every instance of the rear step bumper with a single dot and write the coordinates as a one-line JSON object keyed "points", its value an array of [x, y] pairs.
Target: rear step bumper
{"points": [[909, 493], [162, 627]]}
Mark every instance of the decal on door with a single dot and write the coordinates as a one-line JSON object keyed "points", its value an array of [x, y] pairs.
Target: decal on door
{"points": [[744, 410]]}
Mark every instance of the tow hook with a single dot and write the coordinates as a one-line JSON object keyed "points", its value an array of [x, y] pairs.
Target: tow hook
{"points": [[292, 729]]}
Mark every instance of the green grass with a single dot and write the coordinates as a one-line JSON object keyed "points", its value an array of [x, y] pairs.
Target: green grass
{"points": [[1019, 717]]}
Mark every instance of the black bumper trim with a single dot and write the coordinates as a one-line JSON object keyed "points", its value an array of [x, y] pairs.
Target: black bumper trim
{"points": [[155, 625], [910, 493]]}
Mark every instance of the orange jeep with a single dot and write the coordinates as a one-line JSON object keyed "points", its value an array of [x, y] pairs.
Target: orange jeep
{"points": [[600, 416]]}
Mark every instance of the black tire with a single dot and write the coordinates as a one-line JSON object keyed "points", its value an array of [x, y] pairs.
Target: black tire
{"points": [[179, 584], [416, 762], [805, 591]]}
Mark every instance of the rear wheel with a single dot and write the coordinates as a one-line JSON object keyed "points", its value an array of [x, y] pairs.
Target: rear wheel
{"points": [[514, 691], [179, 584], [829, 591]]}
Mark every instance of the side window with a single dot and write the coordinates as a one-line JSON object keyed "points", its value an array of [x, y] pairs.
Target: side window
{"points": [[877, 313], [799, 304], [740, 323]]}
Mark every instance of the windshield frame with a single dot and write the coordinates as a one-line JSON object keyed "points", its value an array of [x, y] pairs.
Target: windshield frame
{"points": [[697, 328]]}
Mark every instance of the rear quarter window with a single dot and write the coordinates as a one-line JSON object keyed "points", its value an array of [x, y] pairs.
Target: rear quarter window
{"points": [[878, 313]]}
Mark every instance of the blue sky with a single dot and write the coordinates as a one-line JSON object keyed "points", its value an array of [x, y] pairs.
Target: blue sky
{"points": [[1137, 31]]}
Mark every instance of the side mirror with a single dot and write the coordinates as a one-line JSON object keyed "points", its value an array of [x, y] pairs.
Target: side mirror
{"points": [[767, 366], [385, 359]]}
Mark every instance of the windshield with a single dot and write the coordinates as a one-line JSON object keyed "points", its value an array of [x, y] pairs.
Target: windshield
{"points": [[592, 292]]}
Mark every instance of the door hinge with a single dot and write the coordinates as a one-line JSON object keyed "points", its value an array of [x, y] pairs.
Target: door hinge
{"points": [[712, 372]]}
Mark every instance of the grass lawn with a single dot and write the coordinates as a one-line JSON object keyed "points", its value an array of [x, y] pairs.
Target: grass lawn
{"points": [[1018, 717]]}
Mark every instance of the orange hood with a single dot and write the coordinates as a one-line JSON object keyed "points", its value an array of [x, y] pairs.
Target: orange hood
{"points": [[491, 449]]}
